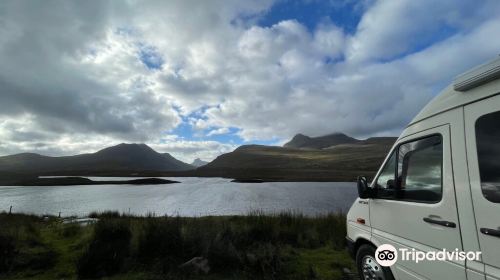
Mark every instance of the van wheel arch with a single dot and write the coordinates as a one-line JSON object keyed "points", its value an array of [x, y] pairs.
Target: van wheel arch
{"points": [[362, 243], [359, 242]]}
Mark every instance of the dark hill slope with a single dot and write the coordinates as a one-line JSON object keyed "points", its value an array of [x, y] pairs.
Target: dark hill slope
{"points": [[342, 162], [321, 142], [123, 158]]}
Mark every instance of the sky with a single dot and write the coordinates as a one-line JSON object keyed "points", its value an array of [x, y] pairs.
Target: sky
{"points": [[200, 78]]}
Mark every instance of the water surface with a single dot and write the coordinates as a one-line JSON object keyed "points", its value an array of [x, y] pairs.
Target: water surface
{"points": [[191, 197]]}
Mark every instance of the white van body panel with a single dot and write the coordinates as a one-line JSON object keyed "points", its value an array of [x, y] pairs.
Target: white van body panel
{"points": [[487, 213], [400, 223], [356, 230]]}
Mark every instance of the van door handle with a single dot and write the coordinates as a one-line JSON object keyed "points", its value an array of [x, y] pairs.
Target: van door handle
{"points": [[490, 231], [441, 223]]}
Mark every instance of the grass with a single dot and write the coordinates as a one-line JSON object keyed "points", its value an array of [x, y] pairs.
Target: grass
{"points": [[256, 246]]}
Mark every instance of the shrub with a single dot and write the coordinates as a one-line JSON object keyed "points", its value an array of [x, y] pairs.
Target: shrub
{"points": [[161, 240], [264, 260], [105, 214], [7, 252], [34, 258], [107, 250], [262, 229], [222, 252], [70, 230]]}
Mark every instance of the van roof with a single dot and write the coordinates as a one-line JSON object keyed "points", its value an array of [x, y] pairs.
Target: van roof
{"points": [[476, 84]]}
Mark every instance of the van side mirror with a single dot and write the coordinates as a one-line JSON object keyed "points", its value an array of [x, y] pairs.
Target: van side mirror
{"points": [[363, 190]]}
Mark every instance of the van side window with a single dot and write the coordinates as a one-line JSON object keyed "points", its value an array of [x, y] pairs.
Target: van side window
{"points": [[488, 153], [420, 170], [418, 165], [385, 182]]}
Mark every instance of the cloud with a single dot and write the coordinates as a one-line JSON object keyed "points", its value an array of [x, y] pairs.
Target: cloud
{"points": [[79, 76], [392, 28], [188, 151], [218, 131], [68, 68]]}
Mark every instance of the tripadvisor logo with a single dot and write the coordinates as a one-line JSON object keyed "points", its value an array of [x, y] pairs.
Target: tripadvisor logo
{"points": [[387, 255]]}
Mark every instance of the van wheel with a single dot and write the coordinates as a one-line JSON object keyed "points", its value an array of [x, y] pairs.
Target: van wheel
{"points": [[368, 268]]}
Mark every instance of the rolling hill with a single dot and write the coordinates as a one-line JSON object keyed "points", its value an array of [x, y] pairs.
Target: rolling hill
{"points": [[321, 142], [335, 157], [123, 159]]}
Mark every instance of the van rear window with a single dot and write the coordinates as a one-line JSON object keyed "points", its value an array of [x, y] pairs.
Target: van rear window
{"points": [[488, 152]]}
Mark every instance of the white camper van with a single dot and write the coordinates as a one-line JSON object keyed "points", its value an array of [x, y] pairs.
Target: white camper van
{"points": [[438, 190]]}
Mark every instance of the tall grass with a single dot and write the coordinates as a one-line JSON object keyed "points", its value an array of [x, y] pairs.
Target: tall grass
{"points": [[107, 251], [21, 246], [253, 242], [253, 246]]}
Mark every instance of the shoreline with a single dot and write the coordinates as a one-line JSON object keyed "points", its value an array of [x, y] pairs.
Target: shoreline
{"points": [[78, 181], [147, 179]]}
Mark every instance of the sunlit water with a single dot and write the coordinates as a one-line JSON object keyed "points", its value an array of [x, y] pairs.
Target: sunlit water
{"points": [[191, 197]]}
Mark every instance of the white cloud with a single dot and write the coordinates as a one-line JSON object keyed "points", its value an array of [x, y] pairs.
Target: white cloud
{"points": [[392, 28], [72, 79], [188, 151], [218, 131]]}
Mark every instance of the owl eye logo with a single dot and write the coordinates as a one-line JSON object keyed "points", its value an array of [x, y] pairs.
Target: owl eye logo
{"points": [[386, 255]]}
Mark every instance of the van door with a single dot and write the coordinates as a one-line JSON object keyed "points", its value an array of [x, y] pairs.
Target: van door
{"points": [[415, 205], [482, 128]]}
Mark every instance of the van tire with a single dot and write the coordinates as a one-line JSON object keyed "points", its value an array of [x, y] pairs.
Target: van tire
{"points": [[365, 251]]}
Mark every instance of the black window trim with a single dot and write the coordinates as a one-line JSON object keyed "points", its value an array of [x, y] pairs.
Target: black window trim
{"points": [[476, 139], [395, 171]]}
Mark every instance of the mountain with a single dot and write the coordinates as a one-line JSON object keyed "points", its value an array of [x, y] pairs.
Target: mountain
{"points": [[302, 141], [340, 158], [122, 158], [198, 162]]}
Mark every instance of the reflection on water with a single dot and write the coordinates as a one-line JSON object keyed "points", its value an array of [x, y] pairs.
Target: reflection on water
{"points": [[191, 197]]}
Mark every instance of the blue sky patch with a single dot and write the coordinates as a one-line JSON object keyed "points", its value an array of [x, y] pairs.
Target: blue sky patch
{"points": [[423, 41], [150, 57], [345, 14]]}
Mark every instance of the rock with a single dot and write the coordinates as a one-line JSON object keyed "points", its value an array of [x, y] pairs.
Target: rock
{"points": [[347, 274], [196, 265]]}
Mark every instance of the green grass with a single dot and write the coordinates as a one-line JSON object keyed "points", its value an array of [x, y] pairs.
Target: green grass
{"points": [[256, 246], [320, 263]]}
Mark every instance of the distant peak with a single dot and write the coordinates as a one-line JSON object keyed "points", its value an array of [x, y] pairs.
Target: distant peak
{"points": [[300, 135], [297, 141], [198, 162], [336, 134], [131, 145], [128, 147], [320, 142], [29, 154], [248, 146], [26, 155]]}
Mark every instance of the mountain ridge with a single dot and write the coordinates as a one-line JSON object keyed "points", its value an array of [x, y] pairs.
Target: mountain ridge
{"points": [[301, 141], [334, 157], [122, 157]]}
